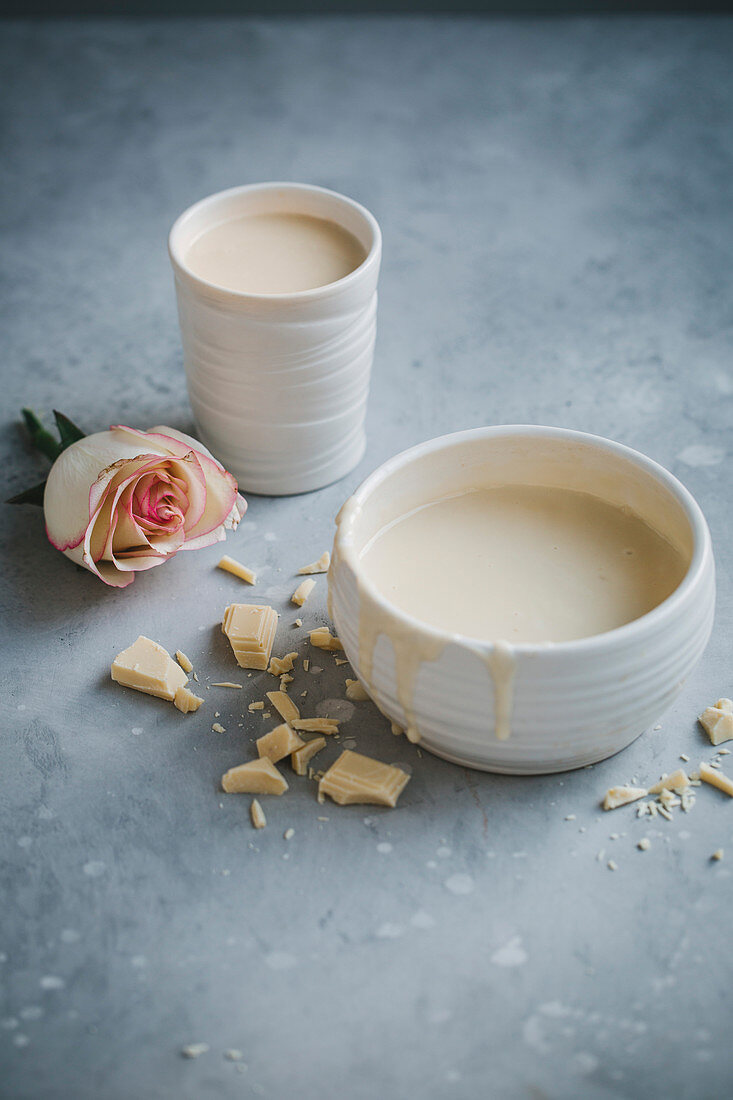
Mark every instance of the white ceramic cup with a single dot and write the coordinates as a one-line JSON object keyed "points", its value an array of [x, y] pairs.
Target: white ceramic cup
{"points": [[278, 383], [573, 703]]}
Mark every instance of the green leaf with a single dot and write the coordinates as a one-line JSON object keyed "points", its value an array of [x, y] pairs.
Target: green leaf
{"points": [[30, 496], [46, 443], [67, 430], [40, 438]]}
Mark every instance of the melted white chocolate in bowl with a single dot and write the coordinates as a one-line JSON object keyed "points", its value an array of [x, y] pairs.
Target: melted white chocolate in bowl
{"points": [[522, 564], [504, 548]]}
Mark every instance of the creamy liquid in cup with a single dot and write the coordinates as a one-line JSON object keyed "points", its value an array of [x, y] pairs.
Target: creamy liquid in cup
{"points": [[274, 253], [523, 564]]}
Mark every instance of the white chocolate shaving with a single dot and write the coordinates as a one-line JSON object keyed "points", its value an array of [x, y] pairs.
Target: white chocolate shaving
{"points": [[621, 796], [183, 661], [231, 565], [280, 665], [320, 566], [302, 756], [355, 691], [717, 721], [284, 706], [316, 725], [256, 777], [677, 781], [279, 743], [257, 814], [717, 779], [324, 639], [302, 592], [186, 701]]}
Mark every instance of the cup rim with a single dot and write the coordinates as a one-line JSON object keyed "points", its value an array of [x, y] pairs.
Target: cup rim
{"points": [[618, 636], [296, 296]]}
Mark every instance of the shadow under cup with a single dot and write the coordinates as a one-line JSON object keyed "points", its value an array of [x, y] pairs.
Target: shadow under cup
{"points": [[278, 383]]}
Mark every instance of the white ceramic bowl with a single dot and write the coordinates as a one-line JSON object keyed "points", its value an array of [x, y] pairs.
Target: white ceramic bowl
{"points": [[573, 702]]}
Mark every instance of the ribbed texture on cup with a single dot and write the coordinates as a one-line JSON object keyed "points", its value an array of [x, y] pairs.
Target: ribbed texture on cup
{"points": [[280, 403], [573, 705]]}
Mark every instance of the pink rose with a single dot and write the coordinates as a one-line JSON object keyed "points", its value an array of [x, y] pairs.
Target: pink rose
{"points": [[124, 500]]}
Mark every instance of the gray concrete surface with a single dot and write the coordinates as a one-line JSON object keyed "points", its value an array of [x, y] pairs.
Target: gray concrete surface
{"points": [[556, 206]]}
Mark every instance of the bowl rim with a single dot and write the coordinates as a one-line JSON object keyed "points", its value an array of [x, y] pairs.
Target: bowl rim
{"points": [[628, 632], [180, 267]]}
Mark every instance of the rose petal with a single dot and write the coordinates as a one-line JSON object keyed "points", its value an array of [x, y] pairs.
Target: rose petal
{"points": [[113, 577], [217, 535], [222, 493], [66, 498], [169, 439], [172, 437], [97, 541], [237, 514], [105, 492]]}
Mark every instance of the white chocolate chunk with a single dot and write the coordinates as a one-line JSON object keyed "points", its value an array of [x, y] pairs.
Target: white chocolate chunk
{"points": [[316, 725], [257, 814], [320, 566], [194, 1050], [231, 565], [717, 721], [186, 701], [184, 662], [667, 799], [716, 778], [284, 705], [256, 777], [355, 691], [677, 781], [146, 666], [357, 778], [302, 592], [251, 632], [302, 756], [324, 639], [278, 743], [281, 665], [621, 796]]}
